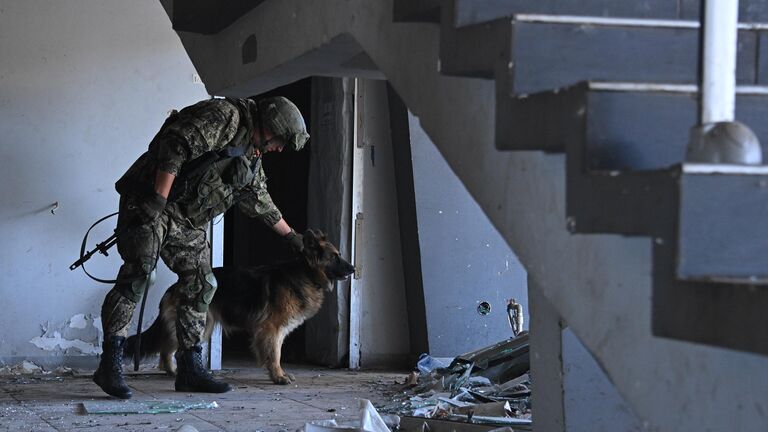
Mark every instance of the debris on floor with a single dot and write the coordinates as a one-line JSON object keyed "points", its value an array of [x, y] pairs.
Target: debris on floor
{"points": [[145, 407], [490, 386], [24, 368], [368, 420], [27, 367], [256, 404], [28, 372]]}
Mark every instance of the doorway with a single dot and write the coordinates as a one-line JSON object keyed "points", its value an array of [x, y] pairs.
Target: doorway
{"points": [[248, 242]]}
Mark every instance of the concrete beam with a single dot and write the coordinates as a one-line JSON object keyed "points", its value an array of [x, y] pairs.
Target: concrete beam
{"points": [[546, 351]]}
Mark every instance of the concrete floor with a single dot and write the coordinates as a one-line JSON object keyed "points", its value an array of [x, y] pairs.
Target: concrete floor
{"points": [[50, 403]]}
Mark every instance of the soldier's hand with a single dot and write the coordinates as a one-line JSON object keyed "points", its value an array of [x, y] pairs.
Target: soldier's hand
{"points": [[295, 241], [150, 207], [239, 173]]}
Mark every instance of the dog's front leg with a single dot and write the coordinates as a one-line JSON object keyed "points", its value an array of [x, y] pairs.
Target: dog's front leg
{"points": [[270, 343]]}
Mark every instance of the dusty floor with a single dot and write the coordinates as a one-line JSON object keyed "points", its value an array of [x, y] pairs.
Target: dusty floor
{"points": [[49, 403]]}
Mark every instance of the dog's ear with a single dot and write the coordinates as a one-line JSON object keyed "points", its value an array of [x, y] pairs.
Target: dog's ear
{"points": [[321, 235], [310, 240]]}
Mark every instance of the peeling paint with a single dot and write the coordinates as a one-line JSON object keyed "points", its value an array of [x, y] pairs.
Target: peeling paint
{"points": [[82, 333], [78, 321], [52, 343], [97, 326]]}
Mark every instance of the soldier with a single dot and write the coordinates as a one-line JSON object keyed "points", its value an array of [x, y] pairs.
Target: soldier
{"points": [[205, 159]]}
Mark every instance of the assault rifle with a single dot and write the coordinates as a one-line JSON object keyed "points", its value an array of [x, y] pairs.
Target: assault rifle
{"points": [[101, 248]]}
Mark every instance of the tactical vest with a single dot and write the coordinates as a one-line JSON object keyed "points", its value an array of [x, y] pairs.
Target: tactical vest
{"points": [[198, 193]]}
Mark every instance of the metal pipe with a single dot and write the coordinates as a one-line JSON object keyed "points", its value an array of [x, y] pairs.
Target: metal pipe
{"points": [[718, 138], [718, 80]]}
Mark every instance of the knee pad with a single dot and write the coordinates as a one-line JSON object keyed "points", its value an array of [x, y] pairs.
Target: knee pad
{"points": [[197, 288], [116, 313], [133, 279]]}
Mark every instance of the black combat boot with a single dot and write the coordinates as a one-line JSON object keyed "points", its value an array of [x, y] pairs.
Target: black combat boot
{"points": [[192, 376], [109, 375]]}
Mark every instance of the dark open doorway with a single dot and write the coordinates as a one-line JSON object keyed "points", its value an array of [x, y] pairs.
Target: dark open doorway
{"points": [[249, 242]]}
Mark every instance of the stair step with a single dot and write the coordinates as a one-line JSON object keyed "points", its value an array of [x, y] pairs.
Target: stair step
{"points": [[688, 300], [722, 234], [625, 146], [469, 12], [719, 314], [531, 53], [624, 126], [714, 220]]}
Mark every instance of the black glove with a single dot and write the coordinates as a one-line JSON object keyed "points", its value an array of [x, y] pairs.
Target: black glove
{"points": [[239, 173], [149, 207], [295, 241]]}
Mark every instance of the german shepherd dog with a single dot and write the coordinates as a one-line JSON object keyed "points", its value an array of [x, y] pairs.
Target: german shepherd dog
{"points": [[267, 302]]}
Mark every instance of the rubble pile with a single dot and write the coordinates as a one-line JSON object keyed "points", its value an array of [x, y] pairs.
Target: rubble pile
{"points": [[490, 386]]}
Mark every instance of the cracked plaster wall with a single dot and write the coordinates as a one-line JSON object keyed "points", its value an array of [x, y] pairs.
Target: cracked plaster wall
{"points": [[84, 86]]}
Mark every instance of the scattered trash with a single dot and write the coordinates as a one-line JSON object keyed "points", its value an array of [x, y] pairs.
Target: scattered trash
{"points": [[369, 421], [27, 372], [435, 425], [26, 367], [412, 379], [493, 409], [490, 386], [427, 364], [145, 407]]}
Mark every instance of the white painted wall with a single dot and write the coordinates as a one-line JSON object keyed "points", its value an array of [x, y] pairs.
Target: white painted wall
{"points": [[84, 85], [384, 338], [464, 259]]}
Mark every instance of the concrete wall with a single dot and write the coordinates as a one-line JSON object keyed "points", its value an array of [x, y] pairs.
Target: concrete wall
{"points": [[84, 85], [328, 208], [464, 260], [591, 402], [571, 392], [384, 320]]}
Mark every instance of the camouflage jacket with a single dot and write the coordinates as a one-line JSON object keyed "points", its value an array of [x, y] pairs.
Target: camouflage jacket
{"points": [[208, 125]]}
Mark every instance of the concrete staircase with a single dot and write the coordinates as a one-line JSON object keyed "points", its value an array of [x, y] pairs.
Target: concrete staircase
{"points": [[625, 140], [562, 126]]}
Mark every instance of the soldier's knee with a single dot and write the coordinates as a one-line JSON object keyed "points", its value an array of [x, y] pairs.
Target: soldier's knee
{"points": [[199, 286], [133, 279]]}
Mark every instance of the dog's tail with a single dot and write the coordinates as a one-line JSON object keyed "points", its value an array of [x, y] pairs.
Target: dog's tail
{"points": [[151, 340]]}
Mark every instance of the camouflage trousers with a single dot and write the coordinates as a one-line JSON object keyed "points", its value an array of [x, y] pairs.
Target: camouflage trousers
{"points": [[184, 249]]}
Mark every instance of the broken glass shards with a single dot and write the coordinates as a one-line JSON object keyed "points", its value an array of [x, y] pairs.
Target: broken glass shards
{"points": [[145, 407]]}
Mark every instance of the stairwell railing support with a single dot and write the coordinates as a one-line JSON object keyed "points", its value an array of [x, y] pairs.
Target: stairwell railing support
{"points": [[718, 138]]}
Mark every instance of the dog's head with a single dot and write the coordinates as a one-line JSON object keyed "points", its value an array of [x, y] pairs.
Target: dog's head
{"points": [[323, 255]]}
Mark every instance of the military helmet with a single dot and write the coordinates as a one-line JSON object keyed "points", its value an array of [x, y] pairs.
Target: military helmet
{"points": [[284, 119]]}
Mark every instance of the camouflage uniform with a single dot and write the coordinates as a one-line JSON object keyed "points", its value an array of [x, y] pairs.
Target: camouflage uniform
{"points": [[179, 234]]}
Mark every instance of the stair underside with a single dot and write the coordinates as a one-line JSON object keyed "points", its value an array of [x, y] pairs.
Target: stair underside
{"points": [[624, 144]]}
